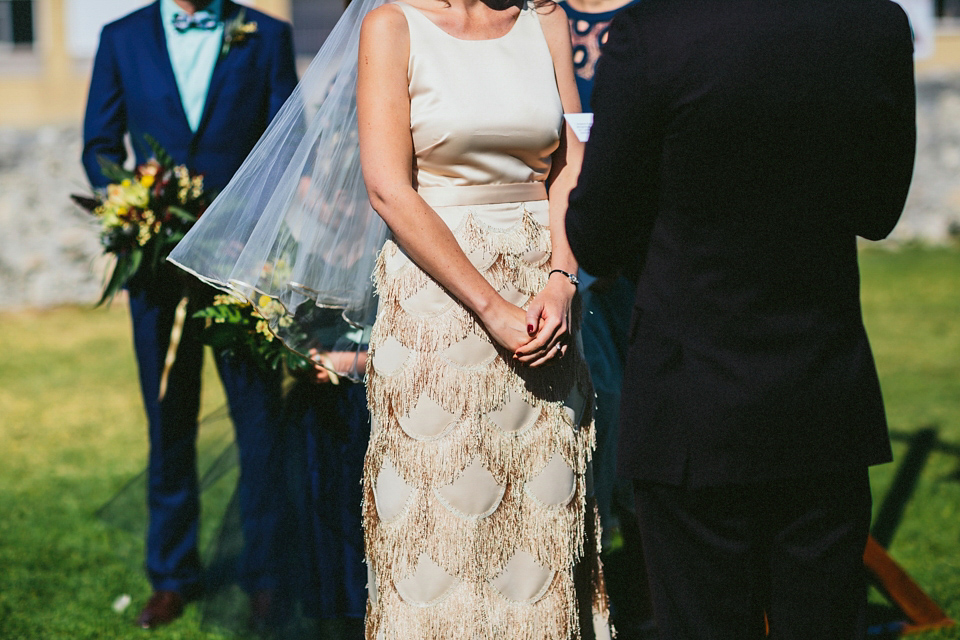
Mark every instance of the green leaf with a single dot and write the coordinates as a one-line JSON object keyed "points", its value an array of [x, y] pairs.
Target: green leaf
{"points": [[171, 241], [183, 214], [296, 362], [233, 314], [112, 171], [220, 336], [156, 247], [273, 359], [124, 269], [159, 152], [212, 312], [136, 258]]}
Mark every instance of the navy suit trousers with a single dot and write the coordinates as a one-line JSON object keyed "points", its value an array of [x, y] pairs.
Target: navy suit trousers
{"points": [[254, 398]]}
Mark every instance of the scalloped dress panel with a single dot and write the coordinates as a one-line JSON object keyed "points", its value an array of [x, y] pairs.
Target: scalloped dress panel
{"points": [[477, 514]]}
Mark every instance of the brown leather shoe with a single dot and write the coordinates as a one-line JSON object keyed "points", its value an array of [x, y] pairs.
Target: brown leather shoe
{"points": [[162, 608]]}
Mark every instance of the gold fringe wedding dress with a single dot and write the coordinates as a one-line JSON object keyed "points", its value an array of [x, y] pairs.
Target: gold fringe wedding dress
{"points": [[477, 518]]}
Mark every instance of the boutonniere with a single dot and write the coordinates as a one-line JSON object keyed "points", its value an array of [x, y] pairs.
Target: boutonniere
{"points": [[237, 31]]}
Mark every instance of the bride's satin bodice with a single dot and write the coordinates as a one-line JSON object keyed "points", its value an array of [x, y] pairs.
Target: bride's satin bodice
{"points": [[482, 112]]}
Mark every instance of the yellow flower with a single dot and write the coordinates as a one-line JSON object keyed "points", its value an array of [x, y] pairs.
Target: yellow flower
{"points": [[264, 329], [109, 220], [138, 195], [196, 187], [264, 301], [147, 180], [127, 194]]}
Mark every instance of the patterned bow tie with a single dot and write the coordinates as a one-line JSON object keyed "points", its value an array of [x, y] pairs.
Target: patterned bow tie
{"points": [[199, 20]]}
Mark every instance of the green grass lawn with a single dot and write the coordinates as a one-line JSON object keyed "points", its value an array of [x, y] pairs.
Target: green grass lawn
{"points": [[911, 303], [72, 434]]}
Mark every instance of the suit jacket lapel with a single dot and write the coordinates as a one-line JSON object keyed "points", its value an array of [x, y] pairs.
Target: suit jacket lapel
{"points": [[158, 42], [221, 68]]}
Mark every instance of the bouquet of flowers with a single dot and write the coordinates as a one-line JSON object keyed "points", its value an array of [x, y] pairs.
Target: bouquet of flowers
{"points": [[144, 213], [235, 326]]}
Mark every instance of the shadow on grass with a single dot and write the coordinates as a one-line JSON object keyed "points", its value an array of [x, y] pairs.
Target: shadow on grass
{"points": [[920, 444], [885, 621]]}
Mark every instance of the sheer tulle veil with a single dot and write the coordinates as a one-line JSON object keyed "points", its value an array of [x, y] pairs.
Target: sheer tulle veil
{"points": [[293, 232]]}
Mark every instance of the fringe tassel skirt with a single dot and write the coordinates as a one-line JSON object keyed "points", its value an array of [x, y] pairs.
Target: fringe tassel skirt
{"points": [[477, 519]]}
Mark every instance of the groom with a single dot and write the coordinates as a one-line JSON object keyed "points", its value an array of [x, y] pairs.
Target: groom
{"points": [[738, 150], [204, 78]]}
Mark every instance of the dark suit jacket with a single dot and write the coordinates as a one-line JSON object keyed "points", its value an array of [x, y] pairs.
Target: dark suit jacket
{"points": [[738, 149], [133, 89]]}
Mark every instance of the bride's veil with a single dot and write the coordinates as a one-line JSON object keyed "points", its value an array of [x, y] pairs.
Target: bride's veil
{"points": [[293, 232]]}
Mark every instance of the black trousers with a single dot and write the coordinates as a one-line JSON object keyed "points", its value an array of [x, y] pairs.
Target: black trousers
{"points": [[718, 558]]}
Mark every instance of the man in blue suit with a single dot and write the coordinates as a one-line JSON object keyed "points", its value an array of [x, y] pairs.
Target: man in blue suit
{"points": [[204, 78]]}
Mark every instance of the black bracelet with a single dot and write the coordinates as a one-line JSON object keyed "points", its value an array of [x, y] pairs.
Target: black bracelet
{"points": [[574, 280]]}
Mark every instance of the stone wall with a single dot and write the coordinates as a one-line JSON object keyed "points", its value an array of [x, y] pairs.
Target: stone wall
{"points": [[49, 253], [932, 213]]}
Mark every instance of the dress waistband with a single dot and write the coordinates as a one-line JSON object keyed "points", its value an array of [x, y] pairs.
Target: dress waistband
{"points": [[483, 194]]}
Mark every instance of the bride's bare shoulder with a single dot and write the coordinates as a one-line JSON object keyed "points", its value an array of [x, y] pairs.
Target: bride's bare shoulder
{"points": [[386, 21], [556, 27], [553, 21], [384, 34], [547, 8]]}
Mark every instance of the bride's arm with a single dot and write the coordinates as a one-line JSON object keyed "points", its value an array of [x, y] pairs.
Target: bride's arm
{"points": [[549, 312], [386, 156]]}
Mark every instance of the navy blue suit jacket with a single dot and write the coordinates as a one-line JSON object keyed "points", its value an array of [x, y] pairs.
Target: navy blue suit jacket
{"points": [[133, 89], [738, 149]]}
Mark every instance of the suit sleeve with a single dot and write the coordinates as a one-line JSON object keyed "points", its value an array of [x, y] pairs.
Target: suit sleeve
{"points": [[105, 119], [284, 72], [613, 205], [889, 161]]}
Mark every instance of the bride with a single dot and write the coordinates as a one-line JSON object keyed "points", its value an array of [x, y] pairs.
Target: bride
{"points": [[475, 478]]}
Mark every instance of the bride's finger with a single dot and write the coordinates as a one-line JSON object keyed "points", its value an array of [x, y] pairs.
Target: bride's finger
{"points": [[542, 342], [533, 317]]}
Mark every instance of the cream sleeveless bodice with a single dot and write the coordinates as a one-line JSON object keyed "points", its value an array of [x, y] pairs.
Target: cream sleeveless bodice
{"points": [[482, 112]]}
